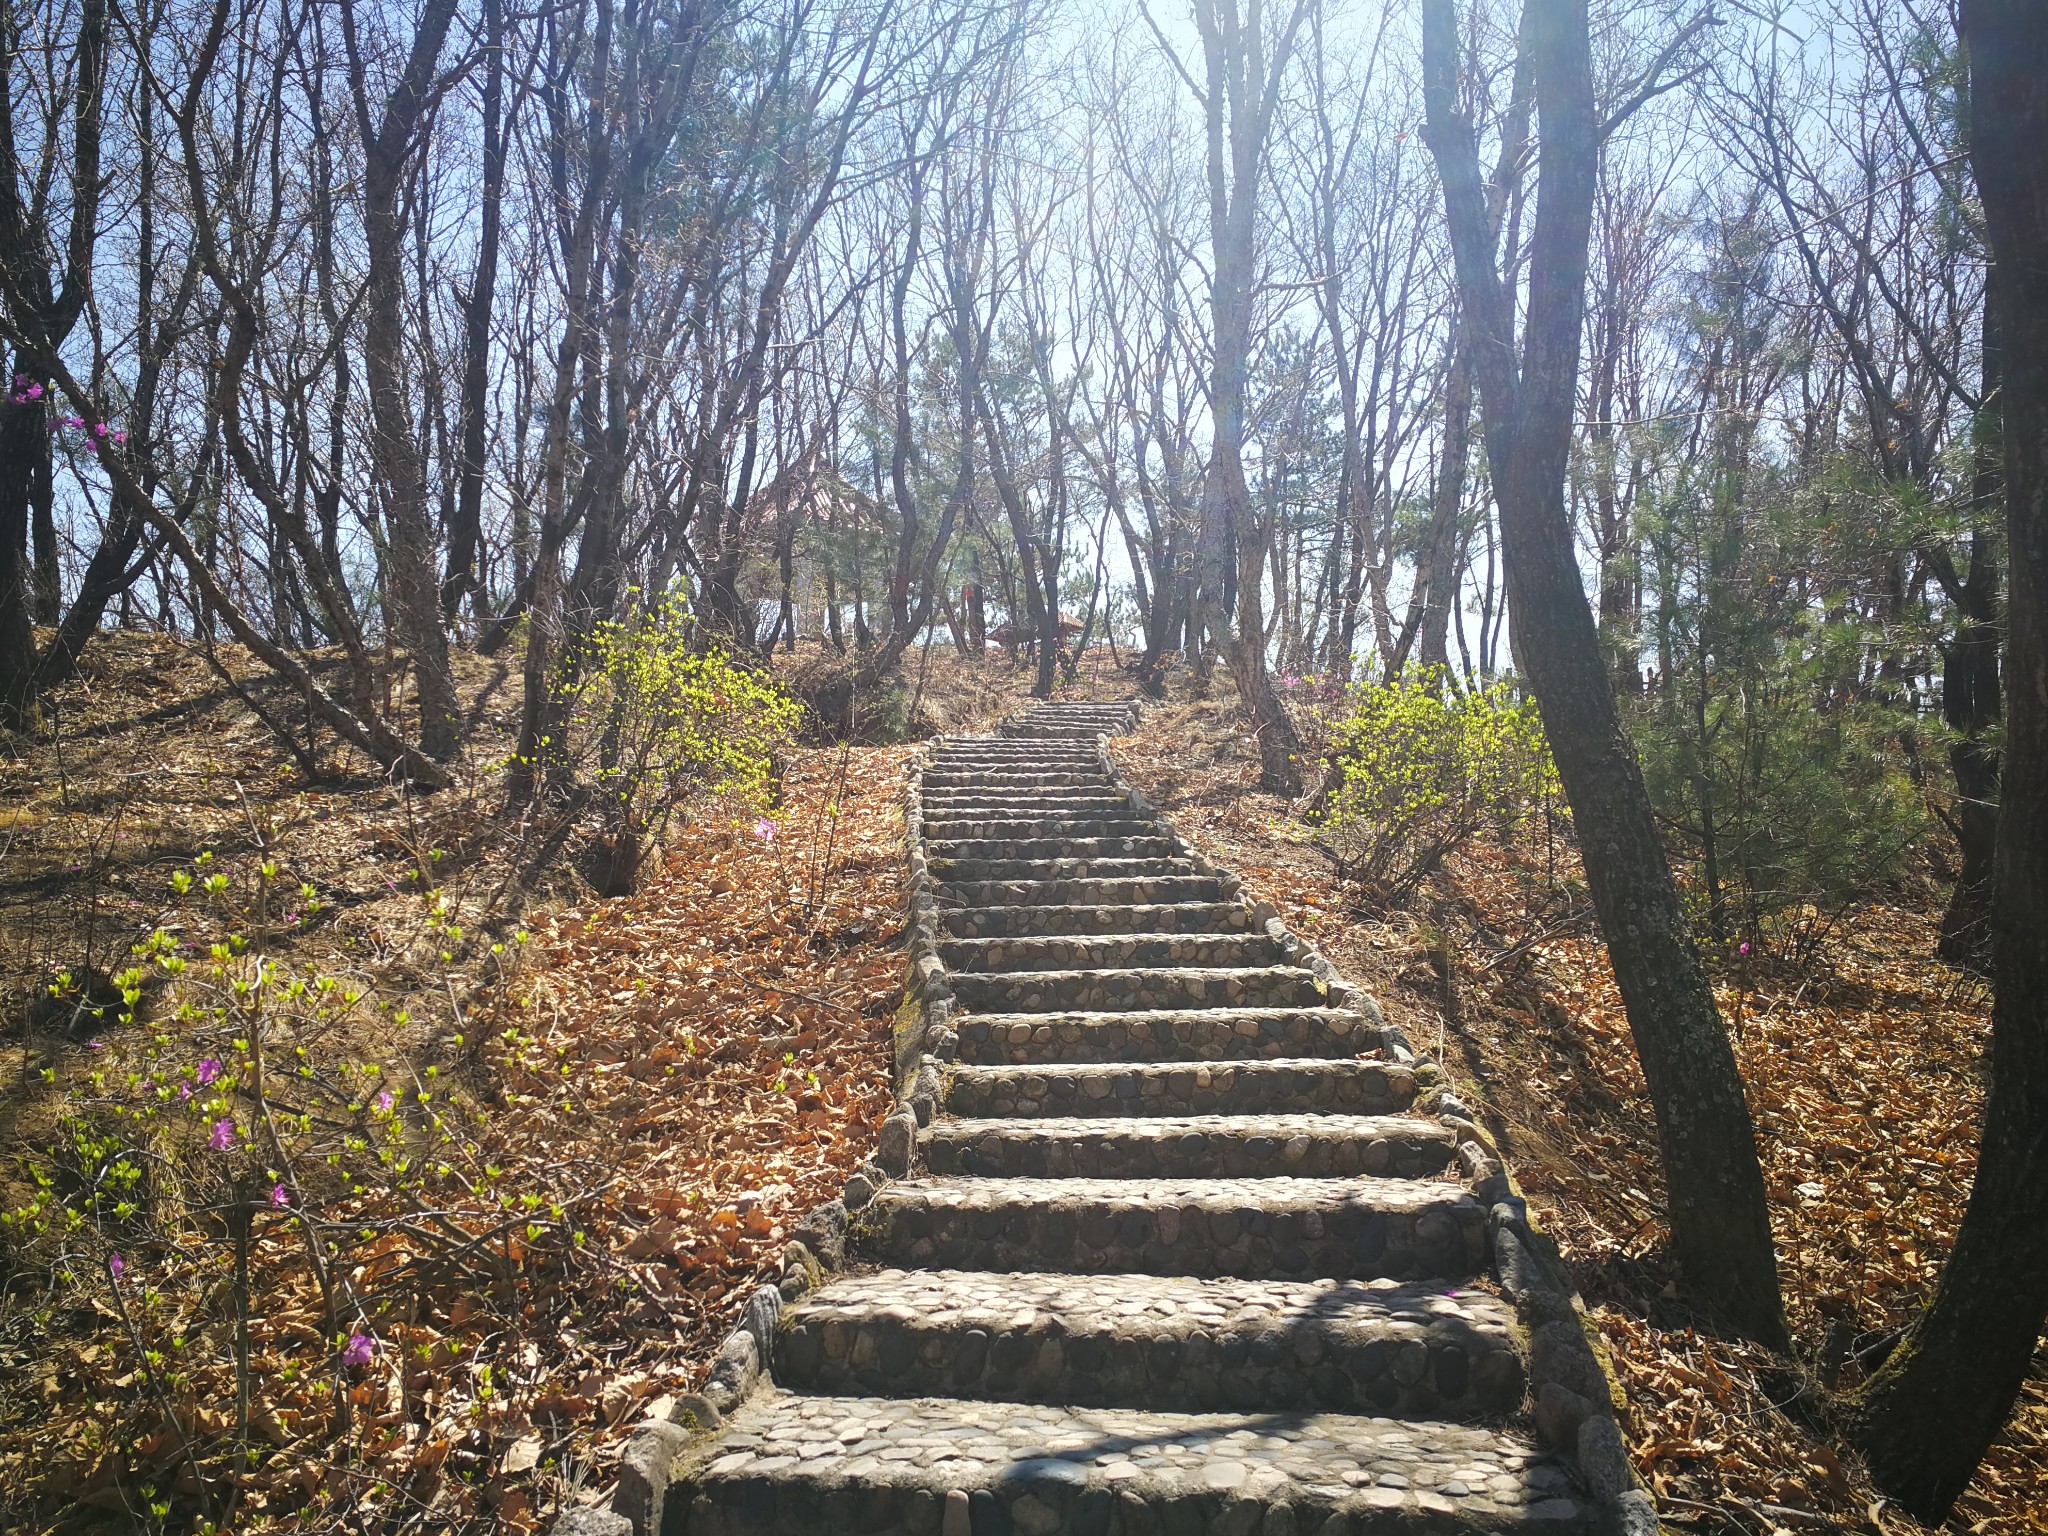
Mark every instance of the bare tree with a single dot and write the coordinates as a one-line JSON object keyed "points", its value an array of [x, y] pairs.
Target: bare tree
{"points": [[1720, 1218]]}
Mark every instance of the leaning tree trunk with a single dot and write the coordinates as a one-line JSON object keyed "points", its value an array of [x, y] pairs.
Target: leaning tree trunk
{"points": [[1720, 1218], [1926, 1418]]}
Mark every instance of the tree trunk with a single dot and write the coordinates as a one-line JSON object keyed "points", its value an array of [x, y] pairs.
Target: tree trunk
{"points": [[1441, 564], [1243, 79], [1720, 1219], [23, 441], [1926, 1418], [465, 529], [415, 585], [1970, 691]]}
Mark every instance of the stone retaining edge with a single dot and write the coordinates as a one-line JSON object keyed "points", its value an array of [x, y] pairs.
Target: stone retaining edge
{"points": [[817, 1245]]}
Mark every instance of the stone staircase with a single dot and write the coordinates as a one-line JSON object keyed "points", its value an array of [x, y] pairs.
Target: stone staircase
{"points": [[1168, 1246]]}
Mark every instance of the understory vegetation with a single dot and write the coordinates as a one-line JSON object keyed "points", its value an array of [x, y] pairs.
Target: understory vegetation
{"points": [[345, 1185]]}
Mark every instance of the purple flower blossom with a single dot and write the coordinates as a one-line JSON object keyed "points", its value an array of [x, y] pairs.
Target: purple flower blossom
{"points": [[115, 1264], [764, 829], [384, 1099], [1742, 948], [358, 1350], [223, 1135], [209, 1069], [95, 1045], [279, 1197], [184, 1093]]}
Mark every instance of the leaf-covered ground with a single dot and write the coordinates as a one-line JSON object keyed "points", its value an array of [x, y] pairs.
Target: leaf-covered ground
{"points": [[690, 1068], [1863, 1064], [639, 1099]]}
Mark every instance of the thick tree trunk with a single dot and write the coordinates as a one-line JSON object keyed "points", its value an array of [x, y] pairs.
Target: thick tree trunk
{"points": [[1720, 1219], [22, 438], [1927, 1417], [1244, 67], [409, 553]]}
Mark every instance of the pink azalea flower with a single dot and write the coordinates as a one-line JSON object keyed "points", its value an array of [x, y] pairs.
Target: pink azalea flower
{"points": [[223, 1135], [358, 1350], [279, 1197], [115, 1264], [209, 1069], [184, 1093], [384, 1099], [764, 829]]}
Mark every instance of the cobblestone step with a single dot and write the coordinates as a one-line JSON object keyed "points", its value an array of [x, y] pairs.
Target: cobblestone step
{"points": [[1188, 1146], [1167, 1342], [1030, 754], [1052, 850], [1136, 917], [1358, 1228], [799, 1465], [1082, 890], [1116, 1090], [1138, 987], [948, 826], [1065, 728], [1096, 951], [960, 871], [971, 801], [992, 1037], [1022, 779]]}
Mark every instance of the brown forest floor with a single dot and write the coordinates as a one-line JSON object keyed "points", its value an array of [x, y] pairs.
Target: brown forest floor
{"points": [[692, 1067], [1863, 1067]]}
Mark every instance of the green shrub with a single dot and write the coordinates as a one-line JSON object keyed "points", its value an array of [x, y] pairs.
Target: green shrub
{"points": [[674, 724], [1423, 770]]}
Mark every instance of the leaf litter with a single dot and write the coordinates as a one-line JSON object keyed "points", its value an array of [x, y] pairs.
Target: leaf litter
{"points": [[1863, 1062]]}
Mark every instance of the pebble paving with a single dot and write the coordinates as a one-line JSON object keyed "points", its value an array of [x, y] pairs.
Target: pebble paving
{"points": [[1179, 1256]]}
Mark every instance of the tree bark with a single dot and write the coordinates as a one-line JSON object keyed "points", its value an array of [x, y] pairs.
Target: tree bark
{"points": [[388, 146], [1926, 1418], [1243, 82], [40, 313], [1720, 1219], [465, 529]]}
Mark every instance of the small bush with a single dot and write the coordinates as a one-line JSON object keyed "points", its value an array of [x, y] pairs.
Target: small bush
{"points": [[673, 724], [1425, 769]]}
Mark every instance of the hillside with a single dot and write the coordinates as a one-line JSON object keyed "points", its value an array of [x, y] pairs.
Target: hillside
{"points": [[527, 1176]]}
